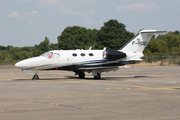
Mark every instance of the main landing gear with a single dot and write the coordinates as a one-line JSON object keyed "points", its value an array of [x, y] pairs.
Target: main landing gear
{"points": [[35, 77], [95, 74], [98, 76], [81, 75]]}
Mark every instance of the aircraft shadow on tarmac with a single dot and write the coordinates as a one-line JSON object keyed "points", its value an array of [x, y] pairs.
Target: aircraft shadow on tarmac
{"points": [[45, 79], [91, 78], [108, 78]]}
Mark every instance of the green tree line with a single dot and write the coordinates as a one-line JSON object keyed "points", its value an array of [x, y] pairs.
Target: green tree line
{"points": [[112, 35]]}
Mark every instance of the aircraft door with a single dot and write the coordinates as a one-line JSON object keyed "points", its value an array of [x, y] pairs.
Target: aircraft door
{"points": [[74, 58]]}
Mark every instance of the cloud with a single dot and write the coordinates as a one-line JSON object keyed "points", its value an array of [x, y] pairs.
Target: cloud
{"points": [[69, 7], [48, 1], [71, 12], [17, 14], [34, 12], [14, 14], [138, 6]]}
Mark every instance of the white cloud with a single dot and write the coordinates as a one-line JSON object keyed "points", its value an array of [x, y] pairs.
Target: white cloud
{"points": [[17, 14], [48, 1], [34, 12], [138, 6], [71, 12], [14, 14]]}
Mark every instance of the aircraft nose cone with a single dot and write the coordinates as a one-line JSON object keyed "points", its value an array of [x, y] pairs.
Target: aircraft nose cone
{"points": [[19, 65], [23, 64]]}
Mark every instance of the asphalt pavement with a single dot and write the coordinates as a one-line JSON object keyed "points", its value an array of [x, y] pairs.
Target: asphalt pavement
{"points": [[151, 93]]}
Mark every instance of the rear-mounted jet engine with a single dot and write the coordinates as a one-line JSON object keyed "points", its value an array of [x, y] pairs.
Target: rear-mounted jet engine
{"points": [[113, 54]]}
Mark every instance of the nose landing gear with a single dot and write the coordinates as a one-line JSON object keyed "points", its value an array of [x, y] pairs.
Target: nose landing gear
{"points": [[35, 77]]}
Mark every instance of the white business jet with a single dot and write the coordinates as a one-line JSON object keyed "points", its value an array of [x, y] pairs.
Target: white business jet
{"points": [[91, 61]]}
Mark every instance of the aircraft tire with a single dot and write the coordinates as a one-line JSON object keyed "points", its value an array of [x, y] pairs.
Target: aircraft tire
{"points": [[81, 75], [35, 77], [98, 76]]}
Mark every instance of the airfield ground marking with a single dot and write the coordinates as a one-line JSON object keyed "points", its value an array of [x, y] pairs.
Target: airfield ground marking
{"points": [[7, 79], [142, 86], [132, 86], [12, 77]]}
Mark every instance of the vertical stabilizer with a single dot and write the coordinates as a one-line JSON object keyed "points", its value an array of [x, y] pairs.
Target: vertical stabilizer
{"points": [[138, 43]]}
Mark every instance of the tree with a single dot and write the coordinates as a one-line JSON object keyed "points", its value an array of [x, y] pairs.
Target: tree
{"points": [[5, 57], [53, 46], [2, 47], [176, 32], [44, 46], [113, 35], [37, 51], [172, 40], [76, 38], [156, 46]]}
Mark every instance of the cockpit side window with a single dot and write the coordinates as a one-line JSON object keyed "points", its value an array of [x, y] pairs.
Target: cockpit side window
{"points": [[56, 56], [47, 54]]}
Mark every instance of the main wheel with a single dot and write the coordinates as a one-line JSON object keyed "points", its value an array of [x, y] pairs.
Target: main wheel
{"points": [[98, 76], [81, 75]]}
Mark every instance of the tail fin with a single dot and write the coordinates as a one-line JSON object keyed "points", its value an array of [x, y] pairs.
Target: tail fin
{"points": [[138, 43]]}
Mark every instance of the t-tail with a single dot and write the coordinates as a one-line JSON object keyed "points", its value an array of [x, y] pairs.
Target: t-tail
{"points": [[135, 47]]}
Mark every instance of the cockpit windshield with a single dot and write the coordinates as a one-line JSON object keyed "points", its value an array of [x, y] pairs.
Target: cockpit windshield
{"points": [[47, 54]]}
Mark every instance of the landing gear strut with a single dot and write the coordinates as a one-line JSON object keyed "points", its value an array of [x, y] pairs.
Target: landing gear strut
{"points": [[81, 75], [35, 77], [98, 76]]}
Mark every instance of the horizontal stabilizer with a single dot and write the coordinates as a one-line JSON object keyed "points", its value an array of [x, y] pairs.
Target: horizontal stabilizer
{"points": [[153, 31]]}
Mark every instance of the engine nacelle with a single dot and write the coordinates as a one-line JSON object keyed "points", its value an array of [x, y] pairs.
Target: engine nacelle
{"points": [[113, 54]]}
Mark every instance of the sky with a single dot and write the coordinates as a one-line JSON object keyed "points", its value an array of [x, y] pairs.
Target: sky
{"points": [[28, 22]]}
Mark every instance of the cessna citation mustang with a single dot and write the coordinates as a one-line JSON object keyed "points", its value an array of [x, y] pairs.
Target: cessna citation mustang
{"points": [[91, 61]]}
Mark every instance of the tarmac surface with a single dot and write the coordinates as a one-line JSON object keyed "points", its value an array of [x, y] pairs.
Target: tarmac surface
{"points": [[151, 93]]}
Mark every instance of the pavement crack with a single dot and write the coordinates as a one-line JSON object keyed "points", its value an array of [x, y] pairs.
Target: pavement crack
{"points": [[56, 104]]}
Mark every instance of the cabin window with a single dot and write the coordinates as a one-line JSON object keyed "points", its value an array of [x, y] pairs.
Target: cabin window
{"points": [[82, 54], [74, 54], [90, 54], [56, 56]]}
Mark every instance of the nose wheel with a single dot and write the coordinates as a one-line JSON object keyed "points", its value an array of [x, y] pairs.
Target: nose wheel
{"points": [[35, 77]]}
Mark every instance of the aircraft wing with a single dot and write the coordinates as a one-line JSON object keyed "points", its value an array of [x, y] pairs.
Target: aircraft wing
{"points": [[102, 68], [98, 68]]}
